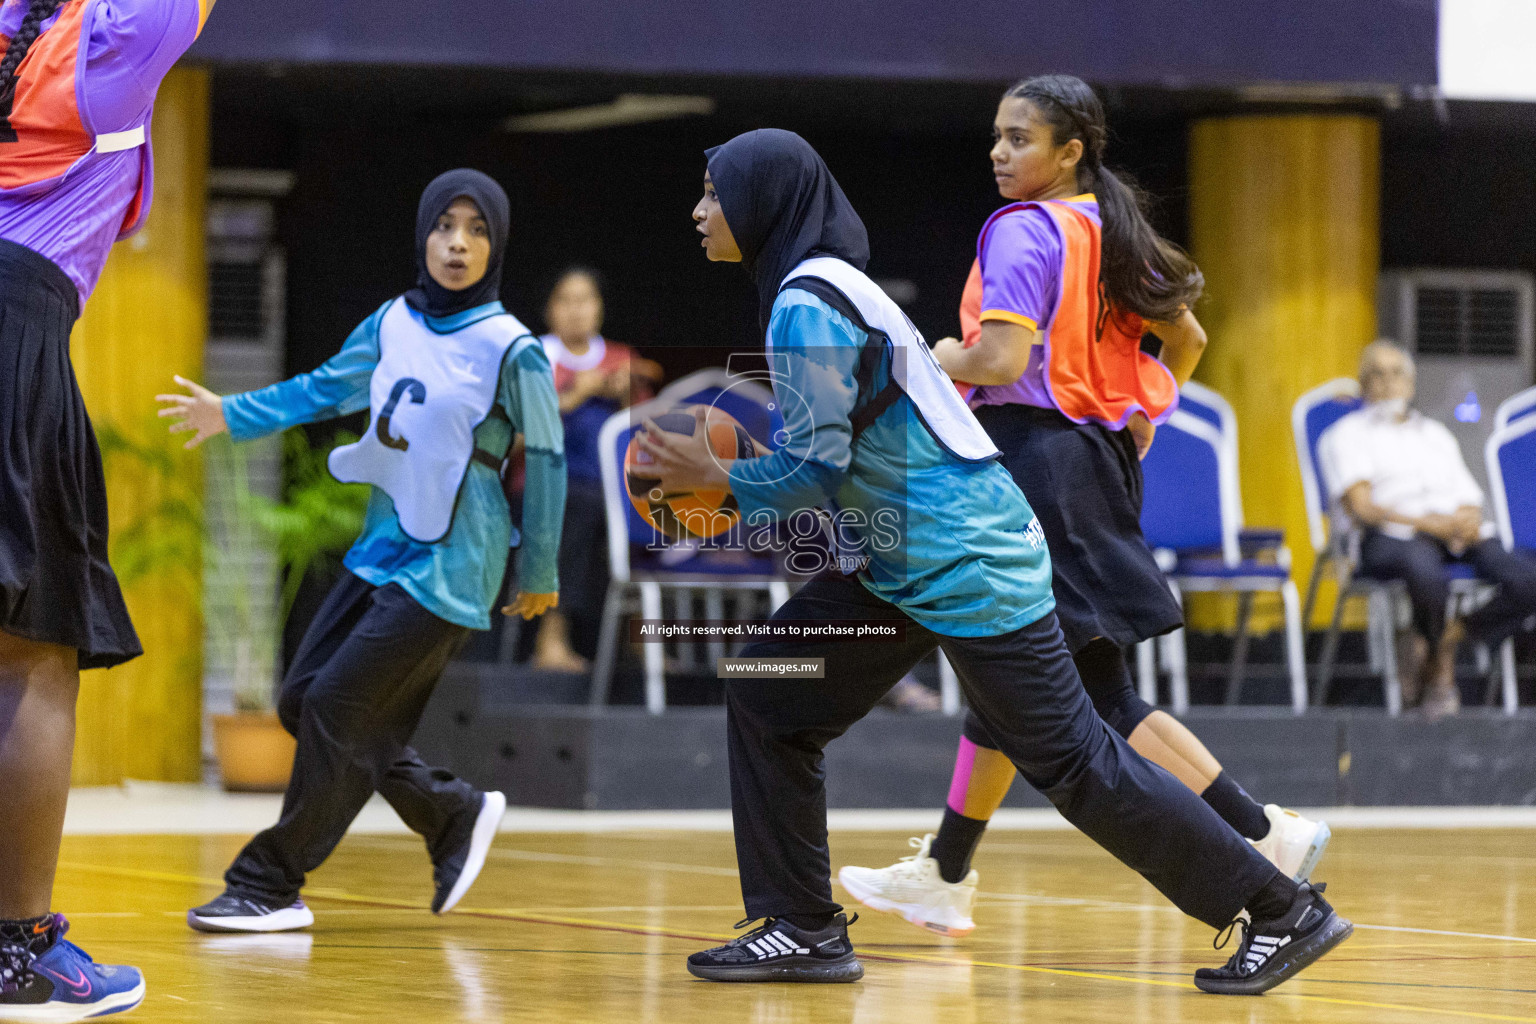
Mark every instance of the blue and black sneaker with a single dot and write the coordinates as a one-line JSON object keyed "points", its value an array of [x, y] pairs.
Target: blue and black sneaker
{"points": [[231, 912], [1274, 951], [65, 984], [778, 951]]}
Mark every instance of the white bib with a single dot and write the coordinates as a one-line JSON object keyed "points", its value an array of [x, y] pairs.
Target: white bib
{"points": [[916, 372], [428, 393]]}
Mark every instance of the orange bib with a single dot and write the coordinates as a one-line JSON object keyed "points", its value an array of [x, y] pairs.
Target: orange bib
{"points": [[1094, 366], [47, 137]]}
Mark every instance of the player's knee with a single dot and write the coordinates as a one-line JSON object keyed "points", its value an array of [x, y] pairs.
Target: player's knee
{"points": [[1108, 682], [1124, 711], [977, 733]]}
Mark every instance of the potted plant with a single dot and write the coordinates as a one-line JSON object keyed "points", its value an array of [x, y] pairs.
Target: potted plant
{"points": [[253, 750], [317, 518], [237, 533]]}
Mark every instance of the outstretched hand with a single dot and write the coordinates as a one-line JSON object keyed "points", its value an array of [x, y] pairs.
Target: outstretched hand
{"points": [[202, 411], [531, 606]]}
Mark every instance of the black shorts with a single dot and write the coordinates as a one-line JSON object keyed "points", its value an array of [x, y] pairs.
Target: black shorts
{"points": [[1084, 483], [55, 583]]}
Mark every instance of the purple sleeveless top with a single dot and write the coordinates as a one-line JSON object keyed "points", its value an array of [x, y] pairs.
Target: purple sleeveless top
{"points": [[131, 46]]}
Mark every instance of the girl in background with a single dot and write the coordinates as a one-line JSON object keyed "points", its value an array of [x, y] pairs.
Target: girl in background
{"points": [[1066, 280], [77, 91], [595, 377], [449, 376]]}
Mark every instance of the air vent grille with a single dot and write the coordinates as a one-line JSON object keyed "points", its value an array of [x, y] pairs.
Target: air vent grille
{"points": [[235, 293], [1467, 321]]}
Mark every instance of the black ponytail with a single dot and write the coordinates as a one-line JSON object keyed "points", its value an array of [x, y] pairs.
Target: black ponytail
{"points": [[1139, 270], [38, 11]]}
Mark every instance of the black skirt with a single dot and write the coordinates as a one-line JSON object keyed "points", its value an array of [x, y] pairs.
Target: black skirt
{"points": [[55, 583], [1084, 483]]}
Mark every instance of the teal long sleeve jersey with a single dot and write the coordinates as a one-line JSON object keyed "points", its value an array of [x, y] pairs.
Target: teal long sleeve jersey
{"points": [[952, 543], [458, 577]]}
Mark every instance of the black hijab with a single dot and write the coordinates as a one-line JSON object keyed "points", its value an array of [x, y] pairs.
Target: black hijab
{"points": [[783, 207], [432, 298]]}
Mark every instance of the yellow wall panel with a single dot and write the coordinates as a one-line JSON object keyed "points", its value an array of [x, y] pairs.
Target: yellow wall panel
{"points": [[146, 321], [1284, 221]]}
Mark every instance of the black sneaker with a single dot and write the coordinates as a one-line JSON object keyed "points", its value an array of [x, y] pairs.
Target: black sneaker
{"points": [[1274, 951], [778, 951], [232, 913], [454, 874]]}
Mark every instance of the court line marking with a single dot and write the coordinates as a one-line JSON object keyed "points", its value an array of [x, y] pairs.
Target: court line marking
{"points": [[1403, 984], [505, 853], [1437, 931], [343, 896], [1017, 898]]}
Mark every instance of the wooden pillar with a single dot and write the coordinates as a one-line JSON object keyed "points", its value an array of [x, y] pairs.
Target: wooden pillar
{"points": [[1285, 224], [146, 321]]}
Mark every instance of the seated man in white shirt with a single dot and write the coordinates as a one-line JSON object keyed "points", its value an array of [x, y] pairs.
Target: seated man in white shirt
{"points": [[1401, 479]]}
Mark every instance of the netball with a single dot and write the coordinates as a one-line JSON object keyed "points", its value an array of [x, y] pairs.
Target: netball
{"points": [[684, 515]]}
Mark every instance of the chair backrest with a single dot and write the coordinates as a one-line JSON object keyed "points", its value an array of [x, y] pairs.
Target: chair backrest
{"points": [[748, 400], [1208, 404], [1516, 407], [631, 534], [1511, 459], [1186, 503], [1313, 413], [626, 527]]}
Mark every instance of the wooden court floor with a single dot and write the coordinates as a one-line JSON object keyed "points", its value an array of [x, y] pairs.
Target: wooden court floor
{"points": [[594, 927]]}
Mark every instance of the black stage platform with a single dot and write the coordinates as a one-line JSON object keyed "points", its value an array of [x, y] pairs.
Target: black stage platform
{"points": [[481, 724]]}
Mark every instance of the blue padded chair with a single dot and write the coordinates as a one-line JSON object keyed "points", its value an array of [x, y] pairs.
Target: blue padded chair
{"points": [[1261, 544], [1511, 460], [1311, 416], [1191, 513], [644, 564]]}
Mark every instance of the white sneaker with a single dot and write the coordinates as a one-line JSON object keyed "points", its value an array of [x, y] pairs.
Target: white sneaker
{"points": [[1295, 844], [457, 873], [914, 889]]}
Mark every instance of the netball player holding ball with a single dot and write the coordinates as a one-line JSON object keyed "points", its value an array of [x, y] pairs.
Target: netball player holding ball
{"points": [[878, 426], [1066, 280]]}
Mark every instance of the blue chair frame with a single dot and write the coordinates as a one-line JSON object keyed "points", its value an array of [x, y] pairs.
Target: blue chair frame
{"points": [[1192, 512], [1510, 456], [640, 588], [1516, 407]]}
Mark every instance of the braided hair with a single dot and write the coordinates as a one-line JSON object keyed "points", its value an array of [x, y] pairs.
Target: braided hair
{"points": [[1139, 270], [38, 11]]}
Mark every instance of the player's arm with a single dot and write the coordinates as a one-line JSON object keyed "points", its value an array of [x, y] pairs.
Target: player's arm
{"points": [[815, 360], [815, 353], [1183, 344], [1008, 293], [1000, 355], [527, 393], [339, 386]]}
